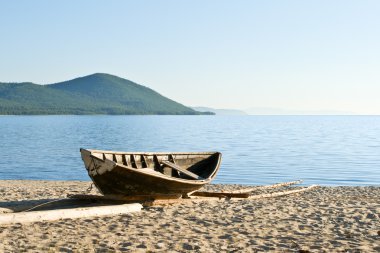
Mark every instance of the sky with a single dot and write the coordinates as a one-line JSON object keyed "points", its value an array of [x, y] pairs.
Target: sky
{"points": [[293, 55]]}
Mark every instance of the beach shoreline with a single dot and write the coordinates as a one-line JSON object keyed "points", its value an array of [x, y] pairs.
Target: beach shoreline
{"points": [[338, 219]]}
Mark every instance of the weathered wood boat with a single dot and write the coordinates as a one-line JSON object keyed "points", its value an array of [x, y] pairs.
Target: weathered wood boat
{"points": [[139, 173]]}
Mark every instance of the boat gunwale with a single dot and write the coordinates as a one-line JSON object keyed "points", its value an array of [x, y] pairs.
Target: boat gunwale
{"points": [[149, 153]]}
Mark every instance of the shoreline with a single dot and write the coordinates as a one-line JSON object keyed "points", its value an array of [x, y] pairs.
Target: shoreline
{"points": [[244, 185], [338, 218]]}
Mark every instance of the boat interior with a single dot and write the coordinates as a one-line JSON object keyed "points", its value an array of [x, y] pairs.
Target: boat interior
{"points": [[193, 166]]}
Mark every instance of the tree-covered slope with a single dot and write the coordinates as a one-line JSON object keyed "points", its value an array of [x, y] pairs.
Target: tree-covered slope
{"points": [[29, 98], [93, 94]]}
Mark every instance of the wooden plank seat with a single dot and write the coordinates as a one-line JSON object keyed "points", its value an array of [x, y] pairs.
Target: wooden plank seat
{"points": [[178, 168]]}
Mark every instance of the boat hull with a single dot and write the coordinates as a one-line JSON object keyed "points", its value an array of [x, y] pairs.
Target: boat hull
{"points": [[113, 177]]}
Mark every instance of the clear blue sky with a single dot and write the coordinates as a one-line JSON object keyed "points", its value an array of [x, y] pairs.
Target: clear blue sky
{"points": [[304, 55]]}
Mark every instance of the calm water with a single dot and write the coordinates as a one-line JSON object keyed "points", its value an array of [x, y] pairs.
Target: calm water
{"points": [[327, 150]]}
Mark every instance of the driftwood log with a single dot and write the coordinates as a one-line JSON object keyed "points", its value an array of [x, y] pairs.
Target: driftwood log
{"points": [[283, 193], [242, 193], [252, 189], [50, 215]]}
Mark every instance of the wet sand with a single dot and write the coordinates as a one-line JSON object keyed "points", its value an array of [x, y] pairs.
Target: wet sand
{"points": [[330, 219]]}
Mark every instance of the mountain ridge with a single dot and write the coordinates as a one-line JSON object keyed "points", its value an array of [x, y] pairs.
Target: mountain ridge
{"points": [[97, 93]]}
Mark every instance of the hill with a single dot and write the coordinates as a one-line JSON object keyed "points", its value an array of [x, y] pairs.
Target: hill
{"points": [[93, 94]]}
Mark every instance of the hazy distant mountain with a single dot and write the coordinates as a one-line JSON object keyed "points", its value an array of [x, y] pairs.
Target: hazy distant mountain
{"points": [[219, 111], [277, 111], [93, 94]]}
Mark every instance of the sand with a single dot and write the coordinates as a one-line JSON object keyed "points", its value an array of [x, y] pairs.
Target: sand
{"points": [[326, 219]]}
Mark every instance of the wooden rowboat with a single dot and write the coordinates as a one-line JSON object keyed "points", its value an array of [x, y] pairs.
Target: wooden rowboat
{"points": [[140, 173]]}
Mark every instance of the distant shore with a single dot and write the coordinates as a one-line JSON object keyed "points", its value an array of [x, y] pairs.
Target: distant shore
{"points": [[327, 218]]}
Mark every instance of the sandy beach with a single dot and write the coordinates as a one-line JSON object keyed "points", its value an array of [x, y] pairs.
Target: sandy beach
{"points": [[330, 219]]}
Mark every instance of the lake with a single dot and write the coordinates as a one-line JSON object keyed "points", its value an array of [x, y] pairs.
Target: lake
{"points": [[326, 150]]}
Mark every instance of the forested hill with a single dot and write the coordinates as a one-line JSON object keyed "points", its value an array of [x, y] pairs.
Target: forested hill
{"points": [[93, 94]]}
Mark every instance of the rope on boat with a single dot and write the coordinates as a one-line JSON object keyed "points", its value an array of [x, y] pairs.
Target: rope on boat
{"points": [[89, 188]]}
